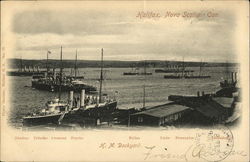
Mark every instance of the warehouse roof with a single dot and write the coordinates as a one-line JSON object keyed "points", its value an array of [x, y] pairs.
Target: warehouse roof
{"points": [[163, 110], [207, 106]]}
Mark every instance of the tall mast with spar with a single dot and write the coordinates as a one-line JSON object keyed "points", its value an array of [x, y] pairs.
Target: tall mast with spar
{"points": [[60, 79], [75, 65], [101, 78]]}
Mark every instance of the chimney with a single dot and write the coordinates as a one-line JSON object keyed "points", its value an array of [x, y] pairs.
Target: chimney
{"points": [[82, 98], [71, 96]]}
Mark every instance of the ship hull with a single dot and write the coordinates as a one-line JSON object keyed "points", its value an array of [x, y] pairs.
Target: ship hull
{"points": [[196, 77], [171, 71], [172, 77], [82, 117], [56, 87], [40, 120], [130, 73], [19, 73]]}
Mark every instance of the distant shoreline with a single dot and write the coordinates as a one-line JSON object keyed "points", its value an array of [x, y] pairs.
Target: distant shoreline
{"points": [[15, 63]]}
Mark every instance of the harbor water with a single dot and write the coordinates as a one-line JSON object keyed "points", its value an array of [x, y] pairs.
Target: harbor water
{"points": [[128, 90]]}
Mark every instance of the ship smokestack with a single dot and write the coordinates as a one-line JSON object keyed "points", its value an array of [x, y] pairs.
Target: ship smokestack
{"points": [[97, 100], [232, 77], [54, 73], [198, 93], [82, 98], [25, 68], [235, 76], [71, 96]]}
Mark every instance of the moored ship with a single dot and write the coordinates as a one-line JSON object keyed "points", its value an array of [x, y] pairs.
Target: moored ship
{"points": [[54, 82], [52, 113]]}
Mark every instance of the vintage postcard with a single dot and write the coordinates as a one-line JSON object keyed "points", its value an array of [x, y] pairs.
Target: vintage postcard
{"points": [[124, 81]]}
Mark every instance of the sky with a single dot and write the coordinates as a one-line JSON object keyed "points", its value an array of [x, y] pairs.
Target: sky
{"points": [[122, 35]]}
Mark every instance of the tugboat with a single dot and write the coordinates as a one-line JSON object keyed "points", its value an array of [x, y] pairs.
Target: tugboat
{"points": [[51, 83]]}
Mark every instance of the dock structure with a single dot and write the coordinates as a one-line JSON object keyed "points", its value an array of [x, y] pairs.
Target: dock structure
{"points": [[205, 109], [202, 109], [159, 115]]}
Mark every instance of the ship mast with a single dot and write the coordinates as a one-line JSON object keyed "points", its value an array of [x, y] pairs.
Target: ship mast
{"points": [[60, 79], [47, 68], [21, 64], [200, 68], [144, 87], [144, 96], [101, 78], [75, 65], [183, 67]]}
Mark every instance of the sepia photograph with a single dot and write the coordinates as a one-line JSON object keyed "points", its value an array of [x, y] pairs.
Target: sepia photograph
{"points": [[103, 68]]}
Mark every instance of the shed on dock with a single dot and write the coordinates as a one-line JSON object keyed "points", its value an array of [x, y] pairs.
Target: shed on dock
{"points": [[159, 115], [207, 109]]}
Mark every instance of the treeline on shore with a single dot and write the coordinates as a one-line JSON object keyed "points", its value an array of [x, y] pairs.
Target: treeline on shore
{"points": [[16, 63]]}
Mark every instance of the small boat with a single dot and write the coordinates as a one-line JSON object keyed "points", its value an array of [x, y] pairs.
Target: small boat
{"points": [[134, 71], [172, 76], [130, 73]]}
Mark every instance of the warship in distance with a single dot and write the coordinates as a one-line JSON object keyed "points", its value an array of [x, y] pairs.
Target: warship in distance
{"points": [[136, 71], [24, 71], [97, 108], [172, 69], [187, 74], [54, 82], [54, 110], [91, 109]]}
